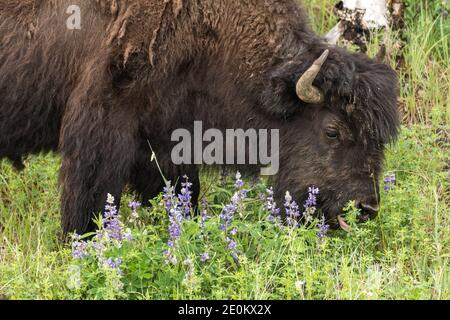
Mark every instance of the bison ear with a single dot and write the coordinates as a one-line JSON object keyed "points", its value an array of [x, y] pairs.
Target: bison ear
{"points": [[337, 75], [279, 97]]}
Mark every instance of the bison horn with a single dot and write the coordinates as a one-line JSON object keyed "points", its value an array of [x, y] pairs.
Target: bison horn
{"points": [[305, 89]]}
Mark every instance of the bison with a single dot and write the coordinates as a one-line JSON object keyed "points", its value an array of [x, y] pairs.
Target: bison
{"points": [[134, 71]]}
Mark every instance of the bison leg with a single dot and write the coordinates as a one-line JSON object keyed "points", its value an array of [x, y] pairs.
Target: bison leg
{"points": [[146, 179], [97, 147], [17, 162]]}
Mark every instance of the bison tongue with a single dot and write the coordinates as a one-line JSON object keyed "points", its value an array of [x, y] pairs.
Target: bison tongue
{"points": [[343, 224]]}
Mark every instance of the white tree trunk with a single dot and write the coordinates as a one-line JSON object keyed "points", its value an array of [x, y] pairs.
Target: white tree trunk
{"points": [[358, 17], [376, 15]]}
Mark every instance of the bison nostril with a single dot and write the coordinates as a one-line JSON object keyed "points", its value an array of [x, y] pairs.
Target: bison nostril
{"points": [[369, 210]]}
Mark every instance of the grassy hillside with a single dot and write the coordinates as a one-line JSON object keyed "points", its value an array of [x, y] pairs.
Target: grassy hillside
{"points": [[403, 254]]}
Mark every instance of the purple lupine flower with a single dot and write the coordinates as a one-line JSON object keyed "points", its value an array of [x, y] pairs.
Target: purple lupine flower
{"points": [[112, 226], [168, 197], [241, 193], [232, 245], [174, 226], [389, 182], [233, 248], [110, 233], [79, 248], [134, 205], [99, 245], [239, 183], [227, 215], [312, 197], [271, 207], [127, 235], [323, 229], [175, 219], [310, 204], [113, 263], [292, 210], [184, 199], [203, 236], [111, 221], [204, 257], [203, 218], [230, 209]]}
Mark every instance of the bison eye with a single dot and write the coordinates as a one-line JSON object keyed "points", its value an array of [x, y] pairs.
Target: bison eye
{"points": [[332, 133]]}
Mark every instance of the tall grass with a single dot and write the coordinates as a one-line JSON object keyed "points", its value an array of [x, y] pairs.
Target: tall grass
{"points": [[426, 71], [403, 254]]}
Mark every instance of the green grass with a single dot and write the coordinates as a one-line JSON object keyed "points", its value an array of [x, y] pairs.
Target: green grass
{"points": [[403, 254]]}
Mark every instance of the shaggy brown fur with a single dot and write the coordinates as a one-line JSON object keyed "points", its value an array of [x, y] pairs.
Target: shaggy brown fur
{"points": [[137, 70]]}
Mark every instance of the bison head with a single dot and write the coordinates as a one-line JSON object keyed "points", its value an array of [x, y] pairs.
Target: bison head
{"points": [[340, 111]]}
